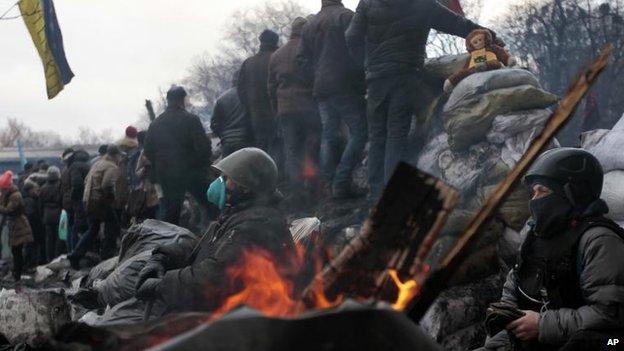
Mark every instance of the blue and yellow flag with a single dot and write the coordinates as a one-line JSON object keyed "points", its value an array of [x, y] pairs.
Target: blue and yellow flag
{"points": [[40, 19]]}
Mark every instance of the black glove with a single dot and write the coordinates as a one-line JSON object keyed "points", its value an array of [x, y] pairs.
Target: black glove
{"points": [[499, 315], [155, 268], [149, 290]]}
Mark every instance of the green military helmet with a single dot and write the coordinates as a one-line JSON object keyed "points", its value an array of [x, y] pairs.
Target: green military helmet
{"points": [[578, 171], [252, 168]]}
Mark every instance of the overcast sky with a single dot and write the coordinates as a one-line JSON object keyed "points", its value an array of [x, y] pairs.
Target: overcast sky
{"points": [[121, 51]]}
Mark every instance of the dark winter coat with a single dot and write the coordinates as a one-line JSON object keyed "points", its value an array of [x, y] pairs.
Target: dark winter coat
{"points": [[99, 193], [230, 121], [323, 53], [78, 173], [199, 282], [392, 34], [289, 89], [252, 87], [66, 188], [601, 268], [177, 145], [12, 206], [51, 200]]}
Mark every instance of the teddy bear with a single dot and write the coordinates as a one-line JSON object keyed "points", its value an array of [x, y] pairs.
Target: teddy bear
{"points": [[485, 55]]}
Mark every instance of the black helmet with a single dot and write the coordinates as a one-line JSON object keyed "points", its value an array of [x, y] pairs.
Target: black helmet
{"points": [[251, 168], [579, 173]]}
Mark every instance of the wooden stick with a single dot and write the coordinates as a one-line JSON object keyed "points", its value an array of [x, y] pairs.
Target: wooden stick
{"points": [[437, 281]]}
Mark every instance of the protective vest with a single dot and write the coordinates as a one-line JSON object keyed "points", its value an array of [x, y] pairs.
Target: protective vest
{"points": [[549, 268]]}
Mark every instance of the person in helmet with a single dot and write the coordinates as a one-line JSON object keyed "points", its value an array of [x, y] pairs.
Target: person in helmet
{"points": [[192, 277], [567, 289]]}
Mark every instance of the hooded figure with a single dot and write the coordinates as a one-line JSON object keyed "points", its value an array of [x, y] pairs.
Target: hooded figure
{"points": [[250, 220], [13, 211], [51, 199], [568, 288], [252, 90]]}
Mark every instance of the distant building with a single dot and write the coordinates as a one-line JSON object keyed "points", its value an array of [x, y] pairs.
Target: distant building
{"points": [[10, 160]]}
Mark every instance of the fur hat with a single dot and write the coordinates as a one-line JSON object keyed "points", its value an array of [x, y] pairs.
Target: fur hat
{"points": [[54, 173]]}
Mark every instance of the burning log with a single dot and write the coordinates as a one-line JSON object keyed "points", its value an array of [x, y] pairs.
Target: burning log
{"points": [[396, 238], [436, 282]]}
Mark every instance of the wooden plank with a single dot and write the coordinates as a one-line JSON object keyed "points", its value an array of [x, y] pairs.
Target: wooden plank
{"points": [[437, 281], [411, 212]]}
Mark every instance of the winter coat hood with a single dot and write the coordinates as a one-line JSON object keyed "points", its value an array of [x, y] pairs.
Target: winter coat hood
{"points": [[127, 144]]}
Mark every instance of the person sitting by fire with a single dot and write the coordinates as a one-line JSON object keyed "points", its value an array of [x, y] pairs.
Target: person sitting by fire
{"points": [[568, 287], [246, 193]]}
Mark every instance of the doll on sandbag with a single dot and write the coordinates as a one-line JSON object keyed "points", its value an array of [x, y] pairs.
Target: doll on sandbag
{"points": [[485, 55]]}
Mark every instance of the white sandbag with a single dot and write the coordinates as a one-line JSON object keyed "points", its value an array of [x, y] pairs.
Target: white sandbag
{"points": [[463, 170], [428, 158], [511, 124], [613, 194], [620, 124], [481, 83], [606, 147]]}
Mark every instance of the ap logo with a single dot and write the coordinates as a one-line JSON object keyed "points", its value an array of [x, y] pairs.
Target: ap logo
{"points": [[613, 342]]}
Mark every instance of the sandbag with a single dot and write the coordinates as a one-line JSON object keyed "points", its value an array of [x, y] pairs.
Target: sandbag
{"points": [[483, 82], [428, 158], [32, 317], [469, 121], [463, 171], [606, 146], [613, 194], [149, 235], [120, 285], [511, 124]]}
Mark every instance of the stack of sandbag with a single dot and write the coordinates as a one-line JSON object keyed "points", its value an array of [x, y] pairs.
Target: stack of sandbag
{"points": [[607, 146], [489, 122], [477, 100]]}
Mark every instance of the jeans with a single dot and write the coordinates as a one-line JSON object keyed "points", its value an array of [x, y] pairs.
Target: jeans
{"points": [[301, 146], [112, 230], [18, 261], [80, 224], [349, 109], [391, 104], [51, 237]]}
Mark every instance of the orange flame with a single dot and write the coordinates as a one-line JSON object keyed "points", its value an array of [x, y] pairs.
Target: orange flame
{"points": [[407, 291]]}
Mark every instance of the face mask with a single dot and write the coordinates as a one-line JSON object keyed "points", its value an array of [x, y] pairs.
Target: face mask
{"points": [[216, 193], [551, 214]]}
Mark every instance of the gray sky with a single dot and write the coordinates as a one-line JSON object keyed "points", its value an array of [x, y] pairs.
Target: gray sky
{"points": [[121, 52]]}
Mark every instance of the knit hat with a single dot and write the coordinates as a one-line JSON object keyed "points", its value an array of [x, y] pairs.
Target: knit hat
{"points": [[131, 132], [269, 37], [6, 180]]}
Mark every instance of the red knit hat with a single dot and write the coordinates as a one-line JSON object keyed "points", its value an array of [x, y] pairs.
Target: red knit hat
{"points": [[131, 132], [6, 180]]}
